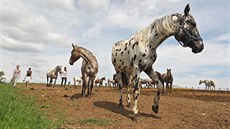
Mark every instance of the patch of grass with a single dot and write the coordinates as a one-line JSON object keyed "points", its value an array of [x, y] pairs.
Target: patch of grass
{"points": [[100, 122], [18, 111]]}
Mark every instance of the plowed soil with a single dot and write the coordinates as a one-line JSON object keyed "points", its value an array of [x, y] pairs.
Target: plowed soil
{"points": [[182, 109]]}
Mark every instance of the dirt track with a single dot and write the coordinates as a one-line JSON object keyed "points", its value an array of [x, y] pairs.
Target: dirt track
{"points": [[183, 109]]}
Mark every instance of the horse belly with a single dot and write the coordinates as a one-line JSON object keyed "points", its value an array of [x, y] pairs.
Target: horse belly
{"points": [[121, 57]]}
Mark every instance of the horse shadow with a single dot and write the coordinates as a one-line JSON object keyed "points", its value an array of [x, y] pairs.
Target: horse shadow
{"points": [[113, 107], [74, 96]]}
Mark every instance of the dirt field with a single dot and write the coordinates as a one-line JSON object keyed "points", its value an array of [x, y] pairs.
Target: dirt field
{"points": [[183, 109]]}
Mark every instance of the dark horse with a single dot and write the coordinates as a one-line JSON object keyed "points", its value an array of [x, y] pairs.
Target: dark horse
{"points": [[166, 78]]}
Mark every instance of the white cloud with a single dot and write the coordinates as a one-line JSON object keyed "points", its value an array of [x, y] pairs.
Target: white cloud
{"points": [[92, 6]]}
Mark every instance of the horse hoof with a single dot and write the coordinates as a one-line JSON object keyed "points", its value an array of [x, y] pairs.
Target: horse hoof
{"points": [[155, 108], [135, 118]]}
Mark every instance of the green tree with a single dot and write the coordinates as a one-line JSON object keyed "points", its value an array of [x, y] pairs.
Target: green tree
{"points": [[2, 76]]}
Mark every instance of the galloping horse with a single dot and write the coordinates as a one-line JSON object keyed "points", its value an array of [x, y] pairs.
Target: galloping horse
{"points": [[53, 74], [131, 57], [208, 83], [166, 78], [89, 68], [99, 81], [77, 79]]}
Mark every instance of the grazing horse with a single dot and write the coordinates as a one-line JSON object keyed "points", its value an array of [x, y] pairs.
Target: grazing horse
{"points": [[208, 83], [166, 78], [89, 68], [77, 79], [53, 74], [99, 81], [131, 57]]}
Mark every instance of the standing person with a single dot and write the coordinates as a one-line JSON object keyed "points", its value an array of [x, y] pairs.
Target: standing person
{"points": [[64, 76], [16, 75], [28, 77]]}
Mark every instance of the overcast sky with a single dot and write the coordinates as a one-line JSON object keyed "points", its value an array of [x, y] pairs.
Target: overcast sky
{"points": [[39, 34]]}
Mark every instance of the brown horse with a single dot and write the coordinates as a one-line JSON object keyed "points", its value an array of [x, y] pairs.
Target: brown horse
{"points": [[89, 68], [99, 81], [166, 78]]}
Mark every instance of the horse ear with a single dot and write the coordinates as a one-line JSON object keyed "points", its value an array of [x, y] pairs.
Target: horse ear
{"points": [[186, 10], [73, 45]]}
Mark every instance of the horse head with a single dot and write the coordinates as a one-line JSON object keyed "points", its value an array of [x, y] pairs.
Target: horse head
{"points": [[200, 82], [58, 68], [75, 55], [188, 34], [103, 78]]}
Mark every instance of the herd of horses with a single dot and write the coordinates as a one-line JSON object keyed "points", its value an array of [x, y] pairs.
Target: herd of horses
{"points": [[135, 55], [166, 78]]}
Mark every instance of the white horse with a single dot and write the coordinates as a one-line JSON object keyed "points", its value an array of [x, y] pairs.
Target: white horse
{"points": [[53, 74], [208, 83], [77, 79]]}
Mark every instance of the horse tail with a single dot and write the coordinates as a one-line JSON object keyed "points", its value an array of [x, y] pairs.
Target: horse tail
{"points": [[124, 79]]}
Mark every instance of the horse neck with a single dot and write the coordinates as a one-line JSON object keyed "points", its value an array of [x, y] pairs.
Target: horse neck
{"points": [[163, 28], [55, 71], [88, 57]]}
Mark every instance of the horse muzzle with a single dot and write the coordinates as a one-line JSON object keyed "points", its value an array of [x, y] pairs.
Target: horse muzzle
{"points": [[197, 46], [71, 63]]}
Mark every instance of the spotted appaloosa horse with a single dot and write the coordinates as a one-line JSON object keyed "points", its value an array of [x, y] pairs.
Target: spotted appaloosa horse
{"points": [[53, 74], [131, 57], [208, 83], [99, 81], [89, 68], [166, 78]]}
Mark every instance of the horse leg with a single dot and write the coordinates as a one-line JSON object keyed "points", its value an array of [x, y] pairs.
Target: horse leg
{"points": [[47, 78], [135, 78], [91, 89], [51, 80], [120, 84], [85, 80], [167, 87], [151, 73], [55, 79], [89, 86], [128, 93], [170, 87]]}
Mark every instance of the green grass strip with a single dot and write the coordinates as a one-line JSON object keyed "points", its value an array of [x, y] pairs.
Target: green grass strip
{"points": [[18, 111]]}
